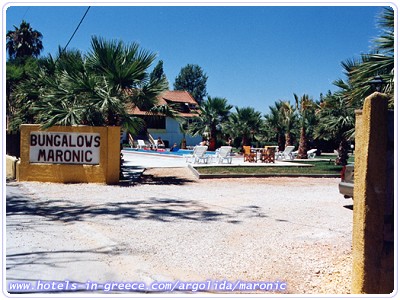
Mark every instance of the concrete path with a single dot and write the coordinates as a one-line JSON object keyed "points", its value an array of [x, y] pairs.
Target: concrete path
{"points": [[136, 162], [47, 242], [141, 160]]}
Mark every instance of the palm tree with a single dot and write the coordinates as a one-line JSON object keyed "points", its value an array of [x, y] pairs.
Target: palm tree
{"points": [[336, 121], [274, 121], [380, 62], [244, 123], [214, 112], [23, 46], [96, 89], [288, 119], [350, 90], [18, 73], [305, 107], [24, 41]]}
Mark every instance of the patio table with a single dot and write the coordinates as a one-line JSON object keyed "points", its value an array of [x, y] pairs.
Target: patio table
{"points": [[268, 152]]}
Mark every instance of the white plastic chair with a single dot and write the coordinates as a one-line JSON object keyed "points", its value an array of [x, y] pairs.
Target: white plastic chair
{"points": [[311, 153], [141, 144], [224, 153], [198, 155], [286, 154]]}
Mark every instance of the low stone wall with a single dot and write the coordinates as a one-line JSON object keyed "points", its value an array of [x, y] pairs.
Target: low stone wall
{"points": [[11, 167], [70, 154]]}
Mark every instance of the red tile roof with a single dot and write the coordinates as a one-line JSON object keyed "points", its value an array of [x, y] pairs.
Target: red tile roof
{"points": [[169, 97], [178, 96]]}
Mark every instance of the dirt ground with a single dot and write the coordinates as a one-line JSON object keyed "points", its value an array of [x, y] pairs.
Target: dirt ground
{"points": [[336, 279], [171, 226]]}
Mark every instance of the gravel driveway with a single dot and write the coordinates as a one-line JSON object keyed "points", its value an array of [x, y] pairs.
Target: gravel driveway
{"points": [[169, 227]]}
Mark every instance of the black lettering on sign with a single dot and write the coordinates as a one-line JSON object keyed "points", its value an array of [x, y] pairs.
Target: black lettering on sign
{"points": [[71, 144], [64, 141], [41, 140], [59, 155], [57, 140], [97, 141], [67, 156], [80, 141], [88, 140], [75, 156], [33, 139], [63, 147], [50, 155], [87, 157], [42, 154], [49, 140]]}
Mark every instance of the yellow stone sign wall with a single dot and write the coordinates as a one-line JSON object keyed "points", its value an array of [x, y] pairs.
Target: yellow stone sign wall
{"points": [[70, 154]]}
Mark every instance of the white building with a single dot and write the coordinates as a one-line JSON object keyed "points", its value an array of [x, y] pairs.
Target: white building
{"points": [[166, 128]]}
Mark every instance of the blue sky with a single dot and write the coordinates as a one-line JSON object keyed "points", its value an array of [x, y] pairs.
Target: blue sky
{"points": [[252, 55]]}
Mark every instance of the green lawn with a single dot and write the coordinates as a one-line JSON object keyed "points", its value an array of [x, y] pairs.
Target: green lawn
{"points": [[316, 167], [333, 157]]}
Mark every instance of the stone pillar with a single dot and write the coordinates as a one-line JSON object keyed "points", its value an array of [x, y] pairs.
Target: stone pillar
{"points": [[372, 251]]}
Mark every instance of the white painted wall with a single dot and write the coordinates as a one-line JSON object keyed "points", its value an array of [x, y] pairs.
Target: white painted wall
{"points": [[173, 134]]}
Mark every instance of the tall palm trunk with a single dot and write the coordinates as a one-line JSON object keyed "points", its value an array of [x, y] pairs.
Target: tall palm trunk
{"points": [[245, 141], [342, 153], [281, 142], [111, 118], [288, 139], [302, 154]]}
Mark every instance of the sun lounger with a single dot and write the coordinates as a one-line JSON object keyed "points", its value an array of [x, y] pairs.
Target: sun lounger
{"points": [[198, 156], [311, 153], [141, 144], [224, 154], [286, 154]]}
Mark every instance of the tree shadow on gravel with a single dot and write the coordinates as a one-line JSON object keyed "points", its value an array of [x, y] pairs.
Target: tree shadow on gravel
{"points": [[152, 208], [131, 175], [15, 260], [163, 180], [59, 259]]}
